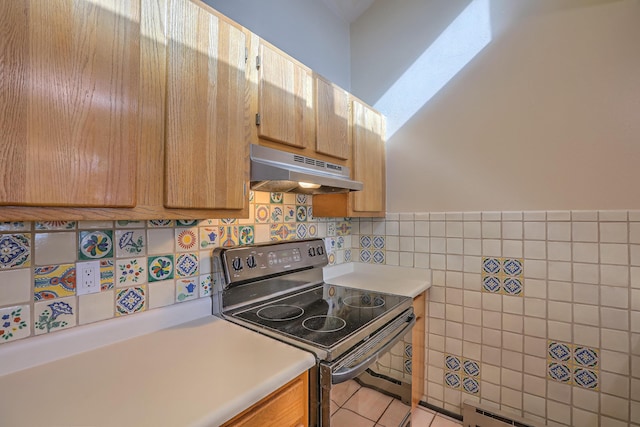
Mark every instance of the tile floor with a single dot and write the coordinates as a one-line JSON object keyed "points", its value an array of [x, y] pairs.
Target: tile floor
{"points": [[356, 406]]}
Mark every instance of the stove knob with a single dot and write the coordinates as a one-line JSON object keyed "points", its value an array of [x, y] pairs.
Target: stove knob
{"points": [[251, 261], [236, 264], [320, 250], [312, 251]]}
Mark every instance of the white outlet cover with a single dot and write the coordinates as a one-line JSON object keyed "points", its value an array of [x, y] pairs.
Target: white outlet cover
{"points": [[87, 277]]}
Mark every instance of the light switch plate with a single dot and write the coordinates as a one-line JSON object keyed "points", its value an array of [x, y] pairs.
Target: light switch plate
{"points": [[87, 277]]}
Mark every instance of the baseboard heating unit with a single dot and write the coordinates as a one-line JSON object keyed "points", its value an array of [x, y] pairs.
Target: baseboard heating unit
{"points": [[475, 415]]}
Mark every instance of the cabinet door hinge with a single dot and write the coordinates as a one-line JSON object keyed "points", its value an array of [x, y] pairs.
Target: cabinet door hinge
{"points": [[258, 62], [257, 119]]}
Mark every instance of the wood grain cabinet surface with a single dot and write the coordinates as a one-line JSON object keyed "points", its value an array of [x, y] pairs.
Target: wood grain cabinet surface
{"points": [[369, 161], [333, 119], [285, 407], [417, 340], [69, 102]]}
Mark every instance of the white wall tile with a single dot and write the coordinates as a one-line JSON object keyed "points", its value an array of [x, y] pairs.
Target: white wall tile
{"points": [[421, 260], [614, 340], [584, 215], [634, 232], [615, 384], [534, 404], [438, 228], [614, 297], [535, 307], [438, 245], [491, 216], [586, 273], [559, 331], [585, 231], [535, 365], [559, 311], [453, 229], [534, 249], [558, 391], [585, 418], [421, 228], [559, 231], [586, 399], [560, 291], [57, 248], [491, 337], [558, 215], [614, 275], [406, 244], [585, 252], [492, 248], [512, 248], [473, 246], [99, 306], [612, 215], [535, 385], [160, 241], [587, 294], [586, 335], [511, 399], [611, 253], [614, 407], [512, 230], [512, 304], [535, 269], [535, 327], [535, 230], [535, 288], [613, 232], [586, 314], [472, 264], [514, 361], [471, 216], [421, 244], [15, 286], [512, 341], [406, 259], [454, 246], [614, 318], [473, 230], [511, 378], [491, 230], [407, 228]]}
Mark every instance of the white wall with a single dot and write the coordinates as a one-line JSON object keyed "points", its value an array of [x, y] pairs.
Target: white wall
{"points": [[305, 29], [546, 116]]}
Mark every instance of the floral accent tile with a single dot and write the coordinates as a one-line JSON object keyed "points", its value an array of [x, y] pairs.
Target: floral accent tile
{"points": [[289, 213], [571, 364], [54, 315], [160, 223], [186, 289], [247, 235], [277, 214], [106, 274], [301, 213], [186, 239], [301, 199], [331, 229], [343, 228], [15, 226], [309, 213], [228, 221], [503, 275], [208, 222], [15, 250], [312, 230], [54, 281], [55, 225], [14, 323], [186, 222], [95, 245], [129, 224], [276, 198], [130, 300], [208, 237], [160, 268], [187, 265], [462, 374], [205, 285], [262, 214], [331, 258], [130, 243], [282, 232], [131, 272], [229, 236]]}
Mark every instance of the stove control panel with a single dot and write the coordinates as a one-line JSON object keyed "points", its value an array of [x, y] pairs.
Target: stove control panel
{"points": [[244, 263]]}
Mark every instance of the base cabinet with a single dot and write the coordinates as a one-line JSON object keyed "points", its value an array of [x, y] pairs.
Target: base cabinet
{"points": [[417, 362], [286, 407]]}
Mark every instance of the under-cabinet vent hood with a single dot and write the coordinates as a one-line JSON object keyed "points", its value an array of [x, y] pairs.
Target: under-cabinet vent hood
{"points": [[279, 171]]}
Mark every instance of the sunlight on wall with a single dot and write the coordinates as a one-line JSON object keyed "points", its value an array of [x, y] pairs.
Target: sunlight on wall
{"points": [[462, 40]]}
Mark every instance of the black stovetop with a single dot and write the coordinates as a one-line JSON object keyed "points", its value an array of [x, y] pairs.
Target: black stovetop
{"points": [[324, 315]]}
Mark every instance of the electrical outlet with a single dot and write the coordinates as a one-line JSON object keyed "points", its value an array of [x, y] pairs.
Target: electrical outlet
{"points": [[87, 277]]}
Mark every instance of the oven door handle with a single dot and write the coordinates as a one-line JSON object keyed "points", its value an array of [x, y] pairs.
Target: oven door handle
{"points": [[347, 373]]}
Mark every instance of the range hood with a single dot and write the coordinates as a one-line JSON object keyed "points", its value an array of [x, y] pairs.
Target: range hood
{"points": [[279, 171]]}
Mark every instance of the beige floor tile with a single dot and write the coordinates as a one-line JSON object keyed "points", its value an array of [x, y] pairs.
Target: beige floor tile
{"points": [[368, 403], [440, 421], [421, 417], [345, 418], [394, 414], [340, 393]]}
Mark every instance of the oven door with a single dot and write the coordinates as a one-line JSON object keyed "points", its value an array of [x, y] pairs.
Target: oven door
{"points": [[372, 380]]}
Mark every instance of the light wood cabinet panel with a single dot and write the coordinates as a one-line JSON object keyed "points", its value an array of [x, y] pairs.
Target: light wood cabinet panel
{"points": [[332, 120], [368, 127], [207, 110], [285, 99], [417, 339], [286, 407], [69, 102]]}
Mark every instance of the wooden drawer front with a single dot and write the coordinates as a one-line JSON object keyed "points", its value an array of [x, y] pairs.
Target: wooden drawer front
{"points": [[286, 407]]}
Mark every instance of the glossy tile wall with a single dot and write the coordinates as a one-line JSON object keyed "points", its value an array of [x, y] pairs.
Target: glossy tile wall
{"points": [[546, 304], [143, 264]]}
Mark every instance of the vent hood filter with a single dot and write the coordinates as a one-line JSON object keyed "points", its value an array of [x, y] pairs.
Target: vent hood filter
{"points": [[279, 171]]}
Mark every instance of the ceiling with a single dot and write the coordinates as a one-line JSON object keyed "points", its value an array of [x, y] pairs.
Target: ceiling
{"points": [[348, 10]]}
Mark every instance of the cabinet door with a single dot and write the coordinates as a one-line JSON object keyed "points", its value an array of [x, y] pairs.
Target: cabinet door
{"points": [[206, 145], [368, 159], [332, 120], [69, 102], [284, 99]]}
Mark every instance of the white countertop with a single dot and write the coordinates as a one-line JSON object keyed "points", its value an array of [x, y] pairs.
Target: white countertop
{"points": [[200, 373], [390, 279]]}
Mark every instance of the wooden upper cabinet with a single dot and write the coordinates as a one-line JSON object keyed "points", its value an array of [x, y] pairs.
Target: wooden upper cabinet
{"points": [[285, 99], [207, 110], [368, 159], [332, 120], [69, 102]]}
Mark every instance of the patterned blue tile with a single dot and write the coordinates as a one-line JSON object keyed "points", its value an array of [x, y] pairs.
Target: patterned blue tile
{"points": [[491, 265], [407, 366], [512, 267], [130, 300], [452, 379], [347, 255], [378, 242], [559, 351], [408, 350], [365, 242], [585, 378], [491, 284], [585, 356], [301, 231], [187, 265], [378, 257], [15, 250], [471, 368], [512, 286], [452, 363], [559, 372], [365, 256], [471, 386]]}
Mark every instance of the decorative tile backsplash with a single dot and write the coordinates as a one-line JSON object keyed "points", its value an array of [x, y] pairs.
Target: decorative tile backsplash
{"points": [[546, 303], [143, 264]]}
